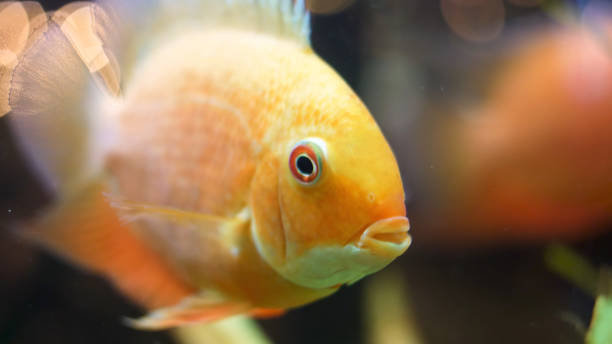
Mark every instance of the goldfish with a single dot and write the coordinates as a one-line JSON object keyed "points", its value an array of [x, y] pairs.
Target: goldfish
{"points": [[201, 156]]}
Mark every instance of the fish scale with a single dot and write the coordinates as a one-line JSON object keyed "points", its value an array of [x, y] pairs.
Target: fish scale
{"points": [[198, 140]]}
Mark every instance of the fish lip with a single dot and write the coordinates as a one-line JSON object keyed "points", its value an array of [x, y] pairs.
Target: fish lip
{"points": [[386, 237]]}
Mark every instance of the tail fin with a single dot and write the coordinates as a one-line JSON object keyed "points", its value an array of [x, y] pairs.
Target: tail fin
{"points": [[21, 23], [46, 66], [50, 75]]}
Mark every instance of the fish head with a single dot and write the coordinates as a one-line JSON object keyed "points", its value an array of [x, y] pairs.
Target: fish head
{"points": [[332, 209]]}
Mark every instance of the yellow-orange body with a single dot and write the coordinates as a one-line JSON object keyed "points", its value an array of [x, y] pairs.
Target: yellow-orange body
{"points": [[203, 133], [204, 215]]}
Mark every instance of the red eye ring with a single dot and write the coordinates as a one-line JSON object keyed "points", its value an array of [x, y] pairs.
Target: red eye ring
{"points": [[305, 162]]}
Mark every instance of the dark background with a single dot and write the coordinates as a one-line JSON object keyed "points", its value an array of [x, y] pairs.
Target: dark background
{"points": [[499, 294]]}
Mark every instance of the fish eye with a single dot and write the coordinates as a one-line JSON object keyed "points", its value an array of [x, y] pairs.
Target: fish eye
{"points": [[305, 162]]}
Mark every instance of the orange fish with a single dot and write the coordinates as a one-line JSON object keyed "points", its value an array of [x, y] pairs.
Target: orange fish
{"points": [[203, 157], [533, 162]]}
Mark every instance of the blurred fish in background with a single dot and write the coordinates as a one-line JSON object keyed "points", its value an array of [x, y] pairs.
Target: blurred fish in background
{"points": [[500, 115], [530, 160]]}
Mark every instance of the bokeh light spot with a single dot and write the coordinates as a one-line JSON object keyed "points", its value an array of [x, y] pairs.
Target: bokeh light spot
{"points": [[474, 20]]}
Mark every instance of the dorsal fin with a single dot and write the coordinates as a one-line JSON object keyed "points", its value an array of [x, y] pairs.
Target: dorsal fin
{"points": [[285, 18], [146, 23]]}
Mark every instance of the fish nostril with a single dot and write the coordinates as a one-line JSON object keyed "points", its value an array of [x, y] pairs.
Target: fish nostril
{"points": [[371, 197]]}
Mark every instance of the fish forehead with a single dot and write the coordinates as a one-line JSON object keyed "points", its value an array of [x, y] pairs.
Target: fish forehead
{"points": [[278, 84]]}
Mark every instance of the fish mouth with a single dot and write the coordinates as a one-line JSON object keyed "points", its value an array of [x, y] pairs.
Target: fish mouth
{"points": [[373, 248], [387, 237]]}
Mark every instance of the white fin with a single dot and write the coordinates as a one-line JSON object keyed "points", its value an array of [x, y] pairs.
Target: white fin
{"points": [[21, 23], [89, 28], [284, 18], [47, 86], [146, 23]]}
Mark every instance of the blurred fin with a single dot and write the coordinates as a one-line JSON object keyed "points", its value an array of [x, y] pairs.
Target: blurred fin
{"points": [[234, 330], [50, 96], [202, 308], [21, 23], [146, 23], [108, 247], [88, 27], [285, 18]]}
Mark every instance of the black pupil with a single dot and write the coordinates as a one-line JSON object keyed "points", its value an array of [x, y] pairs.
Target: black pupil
{"points": [[304, 165]]}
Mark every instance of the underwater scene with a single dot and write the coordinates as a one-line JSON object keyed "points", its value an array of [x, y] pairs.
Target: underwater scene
{"points": [[319, 171]]}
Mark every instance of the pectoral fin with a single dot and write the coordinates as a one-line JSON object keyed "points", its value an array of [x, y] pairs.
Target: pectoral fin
{"points": [[201, 308], [224, 230]]}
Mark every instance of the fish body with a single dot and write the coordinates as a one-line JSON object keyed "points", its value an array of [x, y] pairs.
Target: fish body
{"points": [[225, 170]]}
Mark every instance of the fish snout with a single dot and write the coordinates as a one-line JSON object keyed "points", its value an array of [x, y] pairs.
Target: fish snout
{"points": [[387, 237], [326, 266]]}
